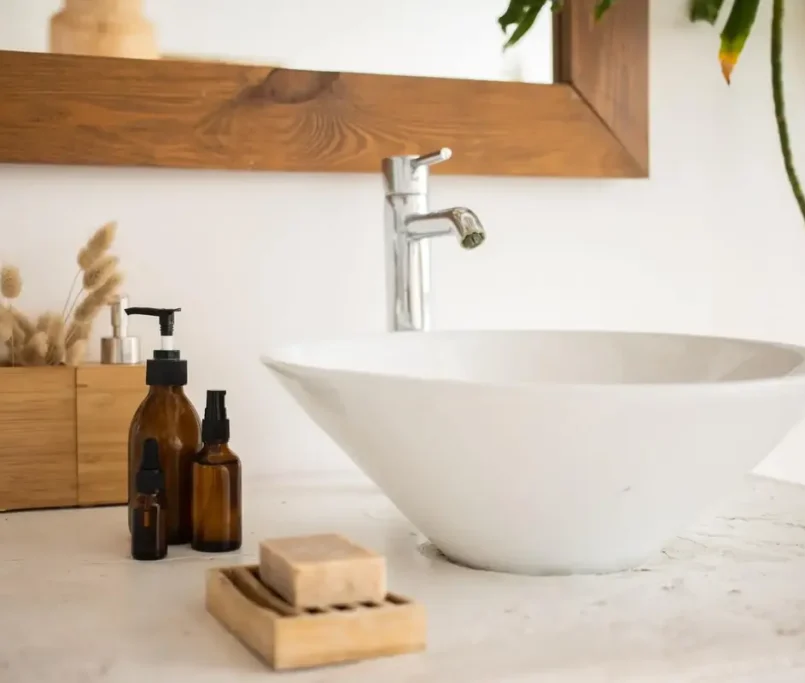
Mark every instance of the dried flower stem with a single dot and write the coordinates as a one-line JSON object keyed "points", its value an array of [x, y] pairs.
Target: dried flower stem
{"points": [[64, 313]]}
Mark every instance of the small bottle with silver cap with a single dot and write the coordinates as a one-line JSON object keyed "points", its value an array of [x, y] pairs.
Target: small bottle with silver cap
{"points": [[120, 349]]}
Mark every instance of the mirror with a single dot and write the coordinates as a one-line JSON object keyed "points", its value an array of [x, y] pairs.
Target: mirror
{"points": [[438, 38]]}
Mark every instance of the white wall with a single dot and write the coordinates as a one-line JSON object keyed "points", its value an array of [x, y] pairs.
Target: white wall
{"points": [[712, 243], [448, 38]]}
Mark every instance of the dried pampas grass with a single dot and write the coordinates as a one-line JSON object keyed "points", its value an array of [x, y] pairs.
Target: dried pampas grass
{"points": [[51, 324], [36, 349], [102, 239], [6, 326], [26, 326], [100, 271], [97, 298], [76, 352], [10, 282], [77, 330], [55, 338]]}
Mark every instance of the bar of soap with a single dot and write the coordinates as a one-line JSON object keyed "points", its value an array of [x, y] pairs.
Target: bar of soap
{"points": [[322, 570]]}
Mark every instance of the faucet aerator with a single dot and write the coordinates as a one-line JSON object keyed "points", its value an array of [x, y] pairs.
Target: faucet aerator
{"points": [[474, 239]]}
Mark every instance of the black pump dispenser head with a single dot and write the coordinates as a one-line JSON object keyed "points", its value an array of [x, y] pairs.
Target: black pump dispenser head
{"points": [[166, 322], [166, 369], [215, 425], [150, 478]]}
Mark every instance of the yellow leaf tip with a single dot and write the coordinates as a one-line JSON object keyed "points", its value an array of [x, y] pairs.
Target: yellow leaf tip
{"points": [[728, 61]]}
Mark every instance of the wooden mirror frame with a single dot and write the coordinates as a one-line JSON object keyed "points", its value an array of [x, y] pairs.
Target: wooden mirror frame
{"points": [[59, 109]]}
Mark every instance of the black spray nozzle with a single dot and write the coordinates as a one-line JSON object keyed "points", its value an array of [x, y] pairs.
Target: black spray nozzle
{"points": [[215, 425], [149, 477], [165, 316], [216, 405]]}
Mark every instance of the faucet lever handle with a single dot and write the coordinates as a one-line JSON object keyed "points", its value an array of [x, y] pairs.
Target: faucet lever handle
{"points": [[432, 158]]}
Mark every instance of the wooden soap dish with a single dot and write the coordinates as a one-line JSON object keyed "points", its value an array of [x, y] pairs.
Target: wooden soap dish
{"points": [[288, 637]]}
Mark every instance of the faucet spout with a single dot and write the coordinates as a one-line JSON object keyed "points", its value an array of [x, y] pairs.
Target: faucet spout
{"points": [[462, 222], [409, 225]]}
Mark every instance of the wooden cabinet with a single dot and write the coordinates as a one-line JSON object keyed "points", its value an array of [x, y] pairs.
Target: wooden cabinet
{"points": [[64, 434], [106, 398]]}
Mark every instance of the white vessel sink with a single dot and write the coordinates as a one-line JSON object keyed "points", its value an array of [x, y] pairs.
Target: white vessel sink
{"points": [[549, 452]]}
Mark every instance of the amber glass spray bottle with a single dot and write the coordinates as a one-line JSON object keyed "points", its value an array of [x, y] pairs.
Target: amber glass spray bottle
{"points": [[216, 483]]}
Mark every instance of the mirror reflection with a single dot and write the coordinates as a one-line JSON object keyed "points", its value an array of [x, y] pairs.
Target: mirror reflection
{"points": [[441, 38]]}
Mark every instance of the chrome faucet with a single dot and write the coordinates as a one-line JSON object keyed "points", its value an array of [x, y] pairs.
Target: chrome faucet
{"points": [[409, 225]]}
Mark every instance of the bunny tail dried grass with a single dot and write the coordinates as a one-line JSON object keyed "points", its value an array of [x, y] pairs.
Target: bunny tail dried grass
{"points": [[96, 299], [100, 272], [23, 322], [10, 282], [36, 349], [55, 331], [6, 326], [76, 352], [47, 320], [88, 308], [78, 329], [10, 335], [21, 330], [102, 238], [86, 258], [110, 289], [57, 353], [86, 311]]}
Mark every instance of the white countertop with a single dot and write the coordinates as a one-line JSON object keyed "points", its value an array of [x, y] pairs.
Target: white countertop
{"points": [[724, 603]]}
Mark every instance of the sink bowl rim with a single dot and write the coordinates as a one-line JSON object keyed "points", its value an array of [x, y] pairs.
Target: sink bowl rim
{"points": [[274, 359]]}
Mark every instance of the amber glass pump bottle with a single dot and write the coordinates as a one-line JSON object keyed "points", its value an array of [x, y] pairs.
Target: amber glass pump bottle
{"points": [[168, 416], [216, 483]]}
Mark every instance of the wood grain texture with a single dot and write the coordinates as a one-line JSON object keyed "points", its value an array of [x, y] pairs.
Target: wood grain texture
{"points": [[38, 445], [63, 109], [606, 61], [289, 639], [107, 397]]}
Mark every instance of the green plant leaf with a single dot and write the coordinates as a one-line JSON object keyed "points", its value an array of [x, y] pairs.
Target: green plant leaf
{"points": [[736, 31], [704, 10], [523, 13], [513, 14], [601, 7], [524, 26], [526, 13]]}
